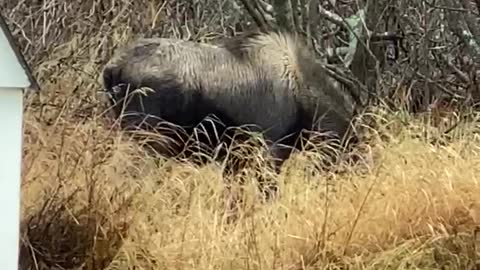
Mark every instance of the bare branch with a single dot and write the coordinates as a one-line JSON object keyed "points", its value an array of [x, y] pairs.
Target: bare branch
{"points": [[257, 15], [332, 17]]}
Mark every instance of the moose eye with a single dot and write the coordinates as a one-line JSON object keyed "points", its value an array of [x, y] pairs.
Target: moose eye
{"points": [[116, 89]]}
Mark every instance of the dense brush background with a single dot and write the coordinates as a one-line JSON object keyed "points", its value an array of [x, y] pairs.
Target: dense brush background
{"points": [[93, 199]]}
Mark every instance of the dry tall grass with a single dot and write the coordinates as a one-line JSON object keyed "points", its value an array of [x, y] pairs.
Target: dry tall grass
{"points": [[93, 199]]}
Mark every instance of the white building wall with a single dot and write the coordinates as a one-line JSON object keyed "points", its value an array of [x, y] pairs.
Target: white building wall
{"points": [[11, 121]]}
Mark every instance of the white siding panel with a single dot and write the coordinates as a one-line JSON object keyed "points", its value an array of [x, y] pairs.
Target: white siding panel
{"points": [[11, 118]]}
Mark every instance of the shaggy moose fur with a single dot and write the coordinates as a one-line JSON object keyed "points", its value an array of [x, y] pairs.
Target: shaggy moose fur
{"points": [[268, 80]]}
